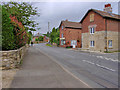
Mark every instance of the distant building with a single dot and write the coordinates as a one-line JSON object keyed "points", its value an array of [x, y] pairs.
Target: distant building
{"points": [[45, 39], [100, 30], [37, 36], [70, 34]]}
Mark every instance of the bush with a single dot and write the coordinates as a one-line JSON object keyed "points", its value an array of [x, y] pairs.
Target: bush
{"points": [[68, 46], [8, 40], [40, 38]]}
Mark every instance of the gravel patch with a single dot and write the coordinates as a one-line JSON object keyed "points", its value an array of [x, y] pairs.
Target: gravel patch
{"points": [[7, 77]]}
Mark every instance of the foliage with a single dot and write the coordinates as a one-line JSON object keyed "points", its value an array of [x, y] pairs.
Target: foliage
{"points": [[40, 38], [29, 36], [23, 11], [49, 45], [54, 36], [21, 36], [36, 39], [48, 34], [8, 38]]}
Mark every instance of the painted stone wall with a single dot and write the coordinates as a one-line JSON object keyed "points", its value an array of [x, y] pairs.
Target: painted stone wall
{"points": [[12, 58]]}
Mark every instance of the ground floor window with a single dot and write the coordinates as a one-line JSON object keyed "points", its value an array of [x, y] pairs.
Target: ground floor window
{"points": [[110, 43], [62, 42], [92, 43], [73, 42]]}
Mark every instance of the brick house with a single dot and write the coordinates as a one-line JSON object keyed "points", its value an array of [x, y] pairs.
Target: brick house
{"points": [[36, 36], [100, 30], [70, 34], [45, 39]]}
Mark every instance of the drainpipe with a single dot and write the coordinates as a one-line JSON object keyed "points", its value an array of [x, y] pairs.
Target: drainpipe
{"points": [[106, 35]]}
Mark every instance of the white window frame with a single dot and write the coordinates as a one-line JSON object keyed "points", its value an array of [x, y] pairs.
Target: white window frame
{"points": [[92, 43], [62, 27], [62, 42], [110, 43], [92, 30], [73, 42]]}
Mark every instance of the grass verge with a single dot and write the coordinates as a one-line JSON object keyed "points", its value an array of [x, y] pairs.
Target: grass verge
{"points": [[49, 45]]}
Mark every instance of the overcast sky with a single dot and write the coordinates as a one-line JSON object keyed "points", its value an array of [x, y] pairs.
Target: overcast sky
{"points": [[54, 12]]}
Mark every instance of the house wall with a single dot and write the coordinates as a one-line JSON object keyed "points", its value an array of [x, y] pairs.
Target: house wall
{"points": [[100, 34], [70, 34], [45, 39]]}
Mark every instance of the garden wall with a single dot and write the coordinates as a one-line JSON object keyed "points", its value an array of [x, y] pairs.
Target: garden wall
{"points": [[12, 58]]}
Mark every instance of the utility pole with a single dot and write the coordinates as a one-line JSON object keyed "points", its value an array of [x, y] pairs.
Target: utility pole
{"points": [[49, 31]]}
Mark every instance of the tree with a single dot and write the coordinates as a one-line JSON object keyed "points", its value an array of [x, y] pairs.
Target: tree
{"points": [[36, 39], [23, 11], [8, 38], [54, 36], [40, 38], [29, 37]]}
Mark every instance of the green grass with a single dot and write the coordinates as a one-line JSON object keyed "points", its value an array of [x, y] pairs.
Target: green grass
{"points": [[49, 45], [108, 52], [111, 51]]}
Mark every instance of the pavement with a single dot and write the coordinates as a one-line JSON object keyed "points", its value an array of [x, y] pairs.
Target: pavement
{"points": [[40, 71]]}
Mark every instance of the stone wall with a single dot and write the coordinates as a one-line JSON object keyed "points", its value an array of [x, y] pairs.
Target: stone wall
{"points": [[99, 38], [12, 58]]}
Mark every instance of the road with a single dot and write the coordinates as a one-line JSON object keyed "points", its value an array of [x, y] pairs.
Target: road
{"points": [[40, 71], [93, 69]]}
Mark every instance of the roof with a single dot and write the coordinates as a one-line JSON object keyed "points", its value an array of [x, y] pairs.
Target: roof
{"points": [[38, 34], [103, 14], [68, 24]]}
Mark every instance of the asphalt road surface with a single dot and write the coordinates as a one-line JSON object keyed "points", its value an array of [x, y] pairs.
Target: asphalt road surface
{"points": [[40, 71], [93, 69]]}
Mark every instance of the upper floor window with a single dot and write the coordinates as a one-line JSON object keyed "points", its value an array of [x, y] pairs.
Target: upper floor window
{"points": [[92, 43], [92, 30], [62, 27], [91, 17], [110, 43]]}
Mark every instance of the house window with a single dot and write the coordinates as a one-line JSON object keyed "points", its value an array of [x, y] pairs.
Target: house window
{"points": [[62, 42], [62, 27], [92, 30], [91, 17], [62, 35], [110, 43], [92, 43], [73, 42]]}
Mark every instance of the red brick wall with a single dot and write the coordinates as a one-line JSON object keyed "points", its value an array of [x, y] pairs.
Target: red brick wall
{"points": [[98, 20], [71, 34], [112, 25]]}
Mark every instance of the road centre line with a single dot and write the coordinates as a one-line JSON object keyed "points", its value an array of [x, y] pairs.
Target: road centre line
{"points": [[99, 65]]}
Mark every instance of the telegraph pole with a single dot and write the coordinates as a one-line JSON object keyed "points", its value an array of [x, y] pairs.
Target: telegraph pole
{"points": [[49, 31]]}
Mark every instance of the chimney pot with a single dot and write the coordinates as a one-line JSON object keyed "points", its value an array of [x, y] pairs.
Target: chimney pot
{"points": [[66, 20], [108, 8]]}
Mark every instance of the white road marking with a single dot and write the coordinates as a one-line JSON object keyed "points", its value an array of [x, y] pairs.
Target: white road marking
{"points": [[107, 58], [99, 65]]}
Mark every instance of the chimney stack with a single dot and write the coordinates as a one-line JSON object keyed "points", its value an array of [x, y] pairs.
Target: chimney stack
{"points": [[108, 8], [66, 20]]}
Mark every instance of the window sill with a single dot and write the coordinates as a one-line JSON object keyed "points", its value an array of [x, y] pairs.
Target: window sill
{"points": [[110, 47], [91, 33], [92, 46]]}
